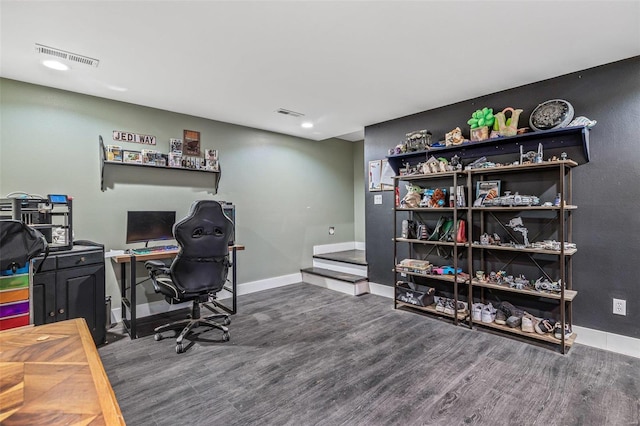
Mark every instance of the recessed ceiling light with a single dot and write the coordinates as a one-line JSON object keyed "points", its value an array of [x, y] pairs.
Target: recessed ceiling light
{"points": [[307, 125], [55, 65], [117, 88]]}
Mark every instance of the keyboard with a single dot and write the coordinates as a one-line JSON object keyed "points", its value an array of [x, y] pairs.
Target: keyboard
{"points": [[156, 249]]}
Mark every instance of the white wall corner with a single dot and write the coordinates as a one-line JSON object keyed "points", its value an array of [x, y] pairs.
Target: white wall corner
{"points": [[361, 245]]}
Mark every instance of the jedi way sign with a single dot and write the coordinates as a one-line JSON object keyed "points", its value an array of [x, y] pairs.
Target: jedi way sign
{"points": [[133, 137]]}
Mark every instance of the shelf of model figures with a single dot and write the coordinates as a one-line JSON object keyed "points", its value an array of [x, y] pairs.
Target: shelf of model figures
{"points": [[196, 166], [430, 242], [569, 295], [426, 176], [432, 310], [573, 140], [523, 208], [569, 250], [446, 278], [427, 209], [120, 163], [549, 338], [522, 167]]}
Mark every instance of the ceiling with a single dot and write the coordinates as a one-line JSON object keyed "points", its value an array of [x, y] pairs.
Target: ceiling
{"points": [[343, 64]]}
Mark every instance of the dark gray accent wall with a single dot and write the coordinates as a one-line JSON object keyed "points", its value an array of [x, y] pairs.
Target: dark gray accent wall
{"points": [[607, 189]]}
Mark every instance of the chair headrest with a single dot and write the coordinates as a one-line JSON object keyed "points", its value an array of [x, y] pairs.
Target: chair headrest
{"points": [[205, 232]]}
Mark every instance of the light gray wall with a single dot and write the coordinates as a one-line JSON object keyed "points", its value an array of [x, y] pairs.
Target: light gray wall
{"points": [[287, 190], [359, 174]]}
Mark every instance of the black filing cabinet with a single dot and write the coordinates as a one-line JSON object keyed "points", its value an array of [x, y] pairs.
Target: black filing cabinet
{"points": [[70, 285]]}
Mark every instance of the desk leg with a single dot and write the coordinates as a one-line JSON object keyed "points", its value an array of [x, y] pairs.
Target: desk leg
{"points": [[123, 296], [133, 332], [235, 278]]}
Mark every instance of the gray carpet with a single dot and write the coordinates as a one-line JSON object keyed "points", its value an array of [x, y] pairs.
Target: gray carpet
{"points": [[303, 355]]}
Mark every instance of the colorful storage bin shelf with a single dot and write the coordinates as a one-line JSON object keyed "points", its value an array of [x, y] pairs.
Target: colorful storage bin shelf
{"points": [[14, 298]]}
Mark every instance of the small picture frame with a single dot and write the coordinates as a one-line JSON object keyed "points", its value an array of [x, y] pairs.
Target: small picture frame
{"points": [[149, 156], [175, 159], [487, 189], [114, 153], [211, 160], [375, 175], [175, 146], [132, 157], [191, 143]]}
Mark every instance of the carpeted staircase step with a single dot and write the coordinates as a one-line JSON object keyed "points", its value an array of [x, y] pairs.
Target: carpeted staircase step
{"points": [[340, 276], [356, 257]]}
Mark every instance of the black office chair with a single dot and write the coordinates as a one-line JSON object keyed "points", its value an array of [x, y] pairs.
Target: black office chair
{"points": [[199, 270]]}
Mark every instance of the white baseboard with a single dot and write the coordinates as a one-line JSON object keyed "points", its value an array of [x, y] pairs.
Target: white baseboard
{"points": [[330, 248], [254, 286], [608, 341], [381, 290]]}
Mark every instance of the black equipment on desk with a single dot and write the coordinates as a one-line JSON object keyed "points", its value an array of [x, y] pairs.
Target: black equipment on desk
{"points": [[51, 216], [145, 226]]}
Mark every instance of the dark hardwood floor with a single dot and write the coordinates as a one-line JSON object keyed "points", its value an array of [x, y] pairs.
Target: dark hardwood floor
{"points": [[303, 355]]}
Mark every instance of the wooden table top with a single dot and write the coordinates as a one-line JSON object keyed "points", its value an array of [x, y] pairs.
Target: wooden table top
{"points": [[126, 258], [52, 374]]}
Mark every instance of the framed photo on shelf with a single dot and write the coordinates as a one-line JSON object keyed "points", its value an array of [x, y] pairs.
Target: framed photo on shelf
{"points": [[175, 146], [132, 157], [191, 143], [211, 160], [149, 156], [161, 159], [175, 159], [486, 190], [114, 153]]}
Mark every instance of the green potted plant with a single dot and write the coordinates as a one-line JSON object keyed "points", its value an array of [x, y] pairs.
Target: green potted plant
{"points": [[480, 122]]}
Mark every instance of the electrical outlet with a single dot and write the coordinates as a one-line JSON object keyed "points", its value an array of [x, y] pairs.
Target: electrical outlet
{"points": [[332, 230], [377, 199], [619, 307]]}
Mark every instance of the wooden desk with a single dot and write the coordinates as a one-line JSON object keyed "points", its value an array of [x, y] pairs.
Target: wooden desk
{"points": [[52, 374], [129, 303]]}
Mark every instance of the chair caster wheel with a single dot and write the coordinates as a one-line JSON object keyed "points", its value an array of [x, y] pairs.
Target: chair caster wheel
{"points": [[179, 348], [157, 337], [225, 337], [226, 321]]}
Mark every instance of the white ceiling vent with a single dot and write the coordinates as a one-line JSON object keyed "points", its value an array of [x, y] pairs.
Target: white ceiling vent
{"points": [[62, 54], [288, 112]]}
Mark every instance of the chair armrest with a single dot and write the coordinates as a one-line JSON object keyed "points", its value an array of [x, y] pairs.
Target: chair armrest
{"points": [[156, 267]]}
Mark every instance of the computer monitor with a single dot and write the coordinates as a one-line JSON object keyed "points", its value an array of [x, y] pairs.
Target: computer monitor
{"points": [[145, 226]]}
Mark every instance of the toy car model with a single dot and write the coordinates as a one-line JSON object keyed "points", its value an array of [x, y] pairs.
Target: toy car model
{"points": [[509, 200], [445, 270]]}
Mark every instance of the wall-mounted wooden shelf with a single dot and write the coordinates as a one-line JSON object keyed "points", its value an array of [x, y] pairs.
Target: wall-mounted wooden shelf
{"points": [[574, 140], [106, 163]]}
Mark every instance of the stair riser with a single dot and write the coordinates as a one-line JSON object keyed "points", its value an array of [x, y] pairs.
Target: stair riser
{"points": [[347, 268], [356, 289]]}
